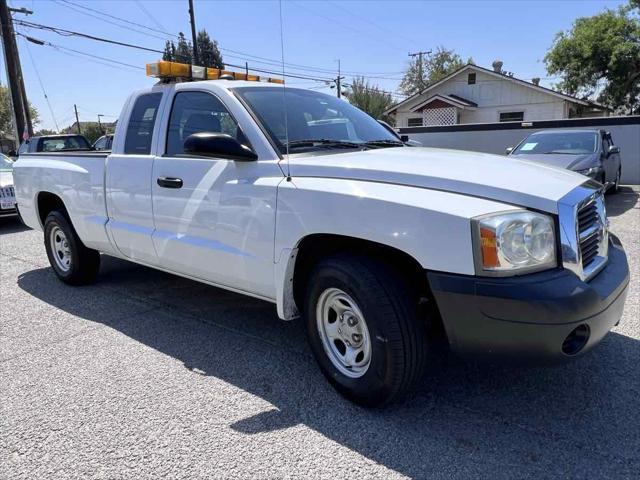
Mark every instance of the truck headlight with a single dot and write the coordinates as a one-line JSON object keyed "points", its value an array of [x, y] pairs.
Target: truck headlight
{"points": [[590, 172], [512, 243]]}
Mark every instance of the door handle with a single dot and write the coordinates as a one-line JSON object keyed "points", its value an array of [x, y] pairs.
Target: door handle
{"points": [[169, 182]]}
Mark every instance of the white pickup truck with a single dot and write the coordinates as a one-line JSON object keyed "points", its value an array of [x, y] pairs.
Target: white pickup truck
{"points": [[300, 199]]}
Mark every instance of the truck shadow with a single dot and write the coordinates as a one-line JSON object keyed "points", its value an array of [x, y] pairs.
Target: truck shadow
{"points": [[464, 420], [11, 225], [624, 199]]}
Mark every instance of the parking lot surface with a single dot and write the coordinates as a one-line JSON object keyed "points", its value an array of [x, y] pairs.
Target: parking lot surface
{"points": [[147, 375]]}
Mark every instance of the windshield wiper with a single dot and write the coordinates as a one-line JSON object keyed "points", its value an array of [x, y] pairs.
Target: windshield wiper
{"points": [[556, 152], [323, 142], [384, 143]]}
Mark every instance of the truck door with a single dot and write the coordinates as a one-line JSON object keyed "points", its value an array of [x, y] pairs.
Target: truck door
{"points": [[128, 183], [214, 217]]}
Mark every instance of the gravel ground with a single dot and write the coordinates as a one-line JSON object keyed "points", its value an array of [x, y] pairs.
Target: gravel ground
{"points": [[147, 375]]}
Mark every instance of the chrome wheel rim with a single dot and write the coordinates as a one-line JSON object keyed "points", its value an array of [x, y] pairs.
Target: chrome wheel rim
{"points": [[60, 248], [343, 332]]}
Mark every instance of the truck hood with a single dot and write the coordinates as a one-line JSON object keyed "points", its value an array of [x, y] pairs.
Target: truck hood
{"points": [[571, 162], [500, 178]]}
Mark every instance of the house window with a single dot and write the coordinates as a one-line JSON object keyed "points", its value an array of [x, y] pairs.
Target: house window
{"points": [[414, 122], [511, 116], [471, 79]]}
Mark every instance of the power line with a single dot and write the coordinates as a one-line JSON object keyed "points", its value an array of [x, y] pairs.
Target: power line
{"points": [[128, 28], [59, 47], [46, 97], [100, 12], [244, 55], [67, 33], [148, 14]]}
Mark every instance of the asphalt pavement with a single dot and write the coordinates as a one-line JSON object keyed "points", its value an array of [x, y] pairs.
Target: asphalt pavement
{"points": [[148, 375]]}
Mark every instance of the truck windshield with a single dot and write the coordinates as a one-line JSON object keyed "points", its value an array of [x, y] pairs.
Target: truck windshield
{"points": [[313, 120], [56, 144], [570, 143]]}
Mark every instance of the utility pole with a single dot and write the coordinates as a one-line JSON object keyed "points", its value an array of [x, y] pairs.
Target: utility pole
{"points": [[77, 119], [100, 123], [420, 65], [15, 81], [338, 82], [192, 15]]}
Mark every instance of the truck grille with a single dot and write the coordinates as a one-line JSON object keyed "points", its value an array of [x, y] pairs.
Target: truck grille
{"points": [[591, 225], [7, 192]]}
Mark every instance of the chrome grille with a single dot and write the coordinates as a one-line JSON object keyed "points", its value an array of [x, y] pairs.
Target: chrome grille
{"points": [[584, 235], [7, 192], [590, 231]]}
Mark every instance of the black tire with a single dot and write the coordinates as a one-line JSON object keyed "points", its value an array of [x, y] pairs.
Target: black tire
{"points": [[84, 262], [398, 338], [616, 184]]}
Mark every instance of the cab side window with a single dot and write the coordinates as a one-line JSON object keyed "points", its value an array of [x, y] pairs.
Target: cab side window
{"points": [[194, 112], [141, 123]]}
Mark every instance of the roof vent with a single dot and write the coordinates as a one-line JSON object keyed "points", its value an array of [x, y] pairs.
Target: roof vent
{"points": [[497, 66], [535, 80]]}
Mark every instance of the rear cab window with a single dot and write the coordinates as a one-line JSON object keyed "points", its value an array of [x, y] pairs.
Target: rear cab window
{"points": [[142, 120], [61, 144]]}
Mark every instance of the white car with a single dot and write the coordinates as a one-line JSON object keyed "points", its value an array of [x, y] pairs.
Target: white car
{"points": [[253, 187], [7, 193]]}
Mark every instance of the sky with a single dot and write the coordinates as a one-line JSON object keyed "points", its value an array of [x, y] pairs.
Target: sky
{"points": [[372, 38]]}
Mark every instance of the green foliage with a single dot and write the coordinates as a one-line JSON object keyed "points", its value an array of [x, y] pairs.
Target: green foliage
{"points": [[91, 130], [45, 131], [182, 51], [6, 112], [600, 57], [369, 98], [434, 67]]}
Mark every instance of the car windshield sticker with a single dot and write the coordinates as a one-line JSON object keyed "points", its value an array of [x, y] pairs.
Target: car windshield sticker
{"points": [[528, 146]]}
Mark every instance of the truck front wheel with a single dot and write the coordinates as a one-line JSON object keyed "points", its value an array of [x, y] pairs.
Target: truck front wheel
{"points": [[72, 262], [363, 329]]}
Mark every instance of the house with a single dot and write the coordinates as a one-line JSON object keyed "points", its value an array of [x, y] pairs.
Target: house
{"points": [[474, 94]]}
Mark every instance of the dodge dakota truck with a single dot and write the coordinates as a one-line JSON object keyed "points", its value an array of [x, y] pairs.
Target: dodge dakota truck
{"points": [[300, 199]]}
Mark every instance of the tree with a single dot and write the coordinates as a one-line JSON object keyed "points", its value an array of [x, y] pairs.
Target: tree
{"points": [[6, 112], [600, 57], [369, 98], [208, 51], [91, 130], [434, 67], [182, 51], [45, 131]]}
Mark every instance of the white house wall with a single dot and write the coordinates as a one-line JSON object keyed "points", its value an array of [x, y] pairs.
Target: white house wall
{"points": [[493, 96]]}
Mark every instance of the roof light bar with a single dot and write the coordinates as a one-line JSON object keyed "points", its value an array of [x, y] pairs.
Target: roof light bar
{"points": [[168, 70]]}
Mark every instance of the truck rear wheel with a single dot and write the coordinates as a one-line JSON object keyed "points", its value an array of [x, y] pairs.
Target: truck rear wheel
{"points": [[364, 330], [72, 262]]}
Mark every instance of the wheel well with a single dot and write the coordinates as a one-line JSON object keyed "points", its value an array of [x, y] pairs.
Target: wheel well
{"points": [[48, 202], [317, 246]]}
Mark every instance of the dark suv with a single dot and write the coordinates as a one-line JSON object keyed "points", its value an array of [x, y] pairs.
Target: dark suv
{"points": [[589, 152]]}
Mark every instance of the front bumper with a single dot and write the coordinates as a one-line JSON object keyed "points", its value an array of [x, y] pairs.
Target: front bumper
{"points": [[531, 316], [8, 212]]}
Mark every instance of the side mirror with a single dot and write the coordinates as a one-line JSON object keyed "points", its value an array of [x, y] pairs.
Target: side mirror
{"points": [[12, 153], [613, 149], [508, 150], [221, 145], [404, 138]]}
